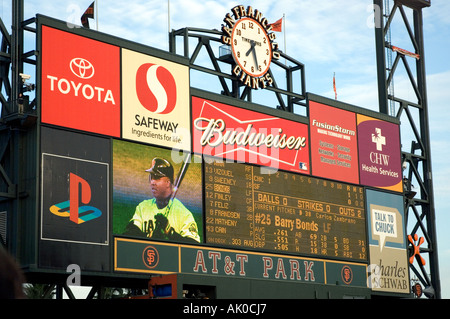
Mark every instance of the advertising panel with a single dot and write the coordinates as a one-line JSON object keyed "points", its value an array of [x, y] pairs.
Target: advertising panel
{"points": [[74, 226], [389, 269], [379, 153], [80, 83], [155, 257], [334, 151], [157, 193], [156, 106], [247, 136]]}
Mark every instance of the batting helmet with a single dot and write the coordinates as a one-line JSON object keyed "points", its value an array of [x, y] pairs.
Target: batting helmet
{"points": [[160, 168]]}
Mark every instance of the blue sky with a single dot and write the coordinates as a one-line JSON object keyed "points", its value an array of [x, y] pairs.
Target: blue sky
{"points": [[328, 36]]}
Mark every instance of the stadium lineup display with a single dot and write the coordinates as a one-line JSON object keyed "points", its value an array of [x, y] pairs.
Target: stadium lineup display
{"points": [[141, 175]]}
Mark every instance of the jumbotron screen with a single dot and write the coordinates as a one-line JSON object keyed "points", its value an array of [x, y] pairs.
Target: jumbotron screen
{"points": [[252, 207]]}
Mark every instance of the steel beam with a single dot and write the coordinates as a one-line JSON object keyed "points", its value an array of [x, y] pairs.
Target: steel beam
{"points": [[419, 209]]}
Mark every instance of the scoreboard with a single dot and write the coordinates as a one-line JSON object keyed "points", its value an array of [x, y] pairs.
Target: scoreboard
{"points": [[267, 191], [252, 207]]}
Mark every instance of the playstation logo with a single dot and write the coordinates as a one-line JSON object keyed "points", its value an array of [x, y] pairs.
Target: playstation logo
{"points": [[80, 193]]}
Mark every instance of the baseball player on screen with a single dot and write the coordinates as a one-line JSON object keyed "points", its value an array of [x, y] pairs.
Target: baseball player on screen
{"points": [[163, 216]]}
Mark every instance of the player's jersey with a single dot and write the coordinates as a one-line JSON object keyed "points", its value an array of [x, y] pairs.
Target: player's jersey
{"points": [[179, 217]]}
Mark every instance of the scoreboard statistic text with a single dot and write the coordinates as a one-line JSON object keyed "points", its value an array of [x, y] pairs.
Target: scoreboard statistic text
{"points": [[250, 207]]}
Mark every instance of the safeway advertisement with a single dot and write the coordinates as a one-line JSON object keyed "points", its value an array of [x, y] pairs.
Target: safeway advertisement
{"points": [[155, 101], [80, 83], [246, 136]]}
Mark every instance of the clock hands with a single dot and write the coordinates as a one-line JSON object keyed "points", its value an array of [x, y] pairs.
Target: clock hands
{"points": [[252, 48]]}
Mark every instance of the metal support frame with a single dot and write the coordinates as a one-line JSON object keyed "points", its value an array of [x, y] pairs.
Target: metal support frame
{"points": [[9, 133], [419, 206], [16, 124]]}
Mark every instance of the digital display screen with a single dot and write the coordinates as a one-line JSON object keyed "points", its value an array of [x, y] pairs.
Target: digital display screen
{"points": [[251, 207]]}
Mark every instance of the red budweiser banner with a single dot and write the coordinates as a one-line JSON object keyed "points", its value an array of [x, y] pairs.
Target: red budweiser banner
{"points": [[246, 136]]}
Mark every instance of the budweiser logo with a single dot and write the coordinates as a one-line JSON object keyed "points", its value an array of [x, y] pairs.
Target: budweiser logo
{"points": [[246, 136], [215, 133]]}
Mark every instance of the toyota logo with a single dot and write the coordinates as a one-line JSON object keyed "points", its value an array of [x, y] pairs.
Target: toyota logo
{"points": [[82, 68]]}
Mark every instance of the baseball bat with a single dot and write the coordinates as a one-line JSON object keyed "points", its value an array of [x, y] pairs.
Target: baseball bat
{"points": [[177, 182], [181, 175]]}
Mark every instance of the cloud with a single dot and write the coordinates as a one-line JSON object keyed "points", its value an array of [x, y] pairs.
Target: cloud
{"points": [[326, 32], [438, 97], [437, 15], [439, 117]]}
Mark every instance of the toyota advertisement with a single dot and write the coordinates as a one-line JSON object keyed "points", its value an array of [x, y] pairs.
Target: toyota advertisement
{"points": [[96, 87], [80, 83]]}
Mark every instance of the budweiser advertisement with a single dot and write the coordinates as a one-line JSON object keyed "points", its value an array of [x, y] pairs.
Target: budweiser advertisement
{"points": [[334, 151], [247, 136], [80, 83], [156, 106], [379, 153]]}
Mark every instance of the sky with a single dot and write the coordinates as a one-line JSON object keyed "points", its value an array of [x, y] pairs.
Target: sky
{"points": [[329, 37]]}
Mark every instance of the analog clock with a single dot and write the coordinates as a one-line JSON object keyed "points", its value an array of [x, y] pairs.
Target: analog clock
{"points": [[251, 47]]}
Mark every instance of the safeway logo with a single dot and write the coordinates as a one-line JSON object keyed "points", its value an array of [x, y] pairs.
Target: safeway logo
{"points": [[82, 68], [156, 88], [80, 193]]}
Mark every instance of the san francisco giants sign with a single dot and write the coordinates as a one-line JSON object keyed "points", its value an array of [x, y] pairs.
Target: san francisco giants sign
{"points": [[252, 44]]}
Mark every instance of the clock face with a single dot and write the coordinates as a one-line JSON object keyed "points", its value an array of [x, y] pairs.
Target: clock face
{"points": [[251, 47]]}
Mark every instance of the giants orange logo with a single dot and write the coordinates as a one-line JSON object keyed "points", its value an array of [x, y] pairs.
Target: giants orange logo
{"points": [[150, 257], [347, 274]]}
